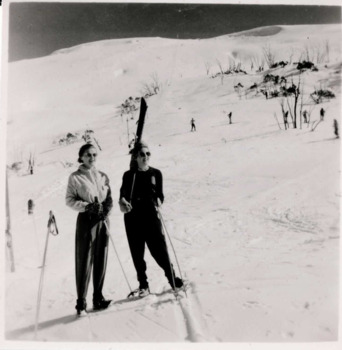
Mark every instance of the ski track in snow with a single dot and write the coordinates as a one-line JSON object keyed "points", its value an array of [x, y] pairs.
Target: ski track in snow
{"points": [[197, 330]]}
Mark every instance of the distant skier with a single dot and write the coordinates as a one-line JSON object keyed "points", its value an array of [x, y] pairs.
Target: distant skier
{"points": [[230, 117], [305, 116], [30, 206], [193, 125], [336, 128], [286, 123], [322, 113], [31, 164]]}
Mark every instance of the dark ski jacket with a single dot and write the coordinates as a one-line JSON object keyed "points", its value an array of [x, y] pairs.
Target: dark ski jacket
{"points": [[142, 188]]}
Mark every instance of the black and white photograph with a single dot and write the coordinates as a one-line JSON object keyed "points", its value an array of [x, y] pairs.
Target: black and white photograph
{"points": [[170, 174]]}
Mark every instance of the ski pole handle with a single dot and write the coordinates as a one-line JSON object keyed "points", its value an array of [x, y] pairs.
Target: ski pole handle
{"points": [[52, 221]]}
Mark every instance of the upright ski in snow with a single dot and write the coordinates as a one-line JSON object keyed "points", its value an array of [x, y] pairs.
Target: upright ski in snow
{"points": [[141, 120], [140, 127]]}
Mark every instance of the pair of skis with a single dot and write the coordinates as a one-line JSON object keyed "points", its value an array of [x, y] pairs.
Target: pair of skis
{"points": [[140, 127]]}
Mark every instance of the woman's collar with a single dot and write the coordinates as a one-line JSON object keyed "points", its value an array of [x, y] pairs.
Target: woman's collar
{"points": [[139, 169], [84, 168]]}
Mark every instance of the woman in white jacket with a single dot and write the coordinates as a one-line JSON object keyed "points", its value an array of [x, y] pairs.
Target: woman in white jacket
{"points": [[89, 193]]}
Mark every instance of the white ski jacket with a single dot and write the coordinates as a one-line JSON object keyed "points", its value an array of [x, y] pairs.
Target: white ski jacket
{"points": [[84, 185]]}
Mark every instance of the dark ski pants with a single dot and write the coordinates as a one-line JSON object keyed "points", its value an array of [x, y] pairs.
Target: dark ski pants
{"points": [[145, 228], [91, 254]]}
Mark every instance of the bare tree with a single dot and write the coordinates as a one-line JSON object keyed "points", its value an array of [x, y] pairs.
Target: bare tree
{"points": [[320, 54], [307, 53], [291, 54], [257, 63], [146, 90], [221, 69], [301, 104], [327, 50], [231, 64], [292, 97], [315, 53], [207, 67], [153, 87], [269, 55], [156, 84]]}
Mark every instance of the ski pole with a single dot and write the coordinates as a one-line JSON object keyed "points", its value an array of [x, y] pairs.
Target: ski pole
{"points": [[171, 267], [133, 183], [52, 228], [173, 249], [117, 255]]}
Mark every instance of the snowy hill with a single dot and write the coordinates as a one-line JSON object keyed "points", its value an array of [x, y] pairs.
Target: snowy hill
{"points": [[252, 208]]}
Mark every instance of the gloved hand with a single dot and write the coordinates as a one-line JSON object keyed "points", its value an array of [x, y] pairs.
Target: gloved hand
{"points": [[94, 208], [125, 206], [103, 215]]}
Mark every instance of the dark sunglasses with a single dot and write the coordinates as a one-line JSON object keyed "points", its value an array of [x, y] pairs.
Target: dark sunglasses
{"points": [[91, 154], [147, 154]]}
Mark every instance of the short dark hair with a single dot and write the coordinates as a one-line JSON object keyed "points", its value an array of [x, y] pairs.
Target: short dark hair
{"points": [[82, 150]]}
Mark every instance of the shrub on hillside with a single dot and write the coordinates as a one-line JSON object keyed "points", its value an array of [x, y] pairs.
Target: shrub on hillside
{"points": [[271, 78], [281, 64], [130, 105], [16, 166], [67, 139], [306, 65], [319, 95]]}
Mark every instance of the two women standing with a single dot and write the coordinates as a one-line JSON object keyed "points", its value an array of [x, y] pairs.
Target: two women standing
{"points": [[140, 195]]}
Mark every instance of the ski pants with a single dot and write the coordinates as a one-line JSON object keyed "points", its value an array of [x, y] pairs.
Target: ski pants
{"points": [[144, 227], [91, 255]]}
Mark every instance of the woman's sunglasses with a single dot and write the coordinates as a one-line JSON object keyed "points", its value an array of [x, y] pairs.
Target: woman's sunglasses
{"points": [[91, 154], [142, 154]]}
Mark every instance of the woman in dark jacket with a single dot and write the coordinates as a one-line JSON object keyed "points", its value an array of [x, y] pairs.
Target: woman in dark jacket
{"points": [[141, 192], [89, 193]]}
